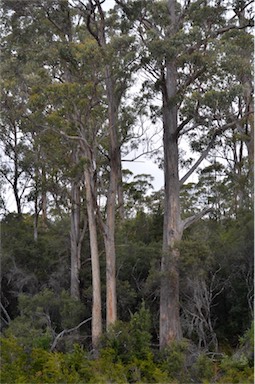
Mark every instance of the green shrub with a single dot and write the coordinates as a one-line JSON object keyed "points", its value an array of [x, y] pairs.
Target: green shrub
{"points": [[126, 341], [203, 369], [22, 365], [13, 361], [172, 360], [41, 316], [145, 371], [236, 370]]}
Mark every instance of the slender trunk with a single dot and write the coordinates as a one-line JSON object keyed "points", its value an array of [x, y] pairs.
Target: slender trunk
{"points": [[36, 210], [109, 233], [75, 240], [16, 174], [249, 129], [36, 220], [115, 184], [95, 265], [44, 199]]}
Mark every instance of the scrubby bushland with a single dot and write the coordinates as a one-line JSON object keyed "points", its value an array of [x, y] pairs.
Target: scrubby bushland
{"points": [[125, 356]]}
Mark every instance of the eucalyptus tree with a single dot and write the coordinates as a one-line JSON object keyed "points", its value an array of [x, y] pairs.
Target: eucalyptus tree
{"points": [[117, 50], [53, 109], [182, 50], [77, 113]]}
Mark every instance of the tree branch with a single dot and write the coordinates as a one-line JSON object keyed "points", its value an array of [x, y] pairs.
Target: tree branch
{"points": [[8, 319], [231, 27], [206, 151], [61, 334], [192, 219]]}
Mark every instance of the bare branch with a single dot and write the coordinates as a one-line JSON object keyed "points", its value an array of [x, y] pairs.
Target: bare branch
{"points": [[65, 331], [231, 27], [141, 154], [206, 151], [7, 318], [192, 219]]}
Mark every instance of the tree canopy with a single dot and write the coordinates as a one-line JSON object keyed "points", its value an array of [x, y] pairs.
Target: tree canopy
{"points": [[104, 278]]}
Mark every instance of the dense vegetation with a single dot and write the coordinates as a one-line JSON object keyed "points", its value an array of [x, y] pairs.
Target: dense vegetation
{"points": [[216, 305], [93, 260]]}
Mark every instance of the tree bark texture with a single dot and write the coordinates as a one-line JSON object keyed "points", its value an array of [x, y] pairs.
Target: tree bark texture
{"points": [[170, 327]]}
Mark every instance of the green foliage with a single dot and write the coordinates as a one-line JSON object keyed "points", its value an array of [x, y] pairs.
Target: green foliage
{"points": [[42, 315], [53, 85], [236, 370], [130, 340], [177, 364], [172, 360], [36, 366], [203, 369]]}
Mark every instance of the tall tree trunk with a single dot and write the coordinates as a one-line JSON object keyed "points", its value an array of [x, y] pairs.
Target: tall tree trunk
{"points": [[75, 240], [115, 185], [170, 327], [95, 265], [109, 233]]}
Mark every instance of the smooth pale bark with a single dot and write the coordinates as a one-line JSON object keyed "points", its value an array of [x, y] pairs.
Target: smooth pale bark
{"points": [[109, 232], [36, 216], [96, 283], [16, 173], [36, 208], [75, 235], [44, 199], [115, 172]]}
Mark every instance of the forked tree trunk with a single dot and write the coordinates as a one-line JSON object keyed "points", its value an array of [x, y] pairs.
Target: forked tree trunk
{"points": [[115, 187]]}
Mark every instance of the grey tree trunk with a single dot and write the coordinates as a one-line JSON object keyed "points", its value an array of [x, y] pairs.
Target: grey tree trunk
{"points": [[44, 199], [115, 184], [75, 235], [109, 232], [96, 283], [170, 326]]}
